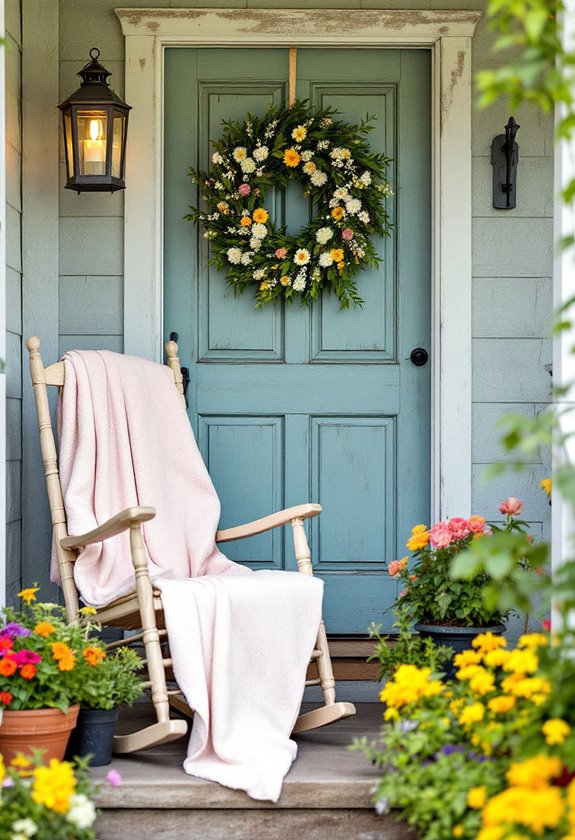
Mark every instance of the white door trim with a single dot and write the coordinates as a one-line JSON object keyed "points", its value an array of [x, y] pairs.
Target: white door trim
{"points": [[448, 35]]}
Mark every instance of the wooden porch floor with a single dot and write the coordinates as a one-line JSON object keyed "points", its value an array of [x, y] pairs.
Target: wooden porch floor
{"points": [[326, 793]]}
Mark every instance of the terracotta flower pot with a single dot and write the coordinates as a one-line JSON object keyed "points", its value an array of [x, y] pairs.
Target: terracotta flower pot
{"points": [[41, 729]]}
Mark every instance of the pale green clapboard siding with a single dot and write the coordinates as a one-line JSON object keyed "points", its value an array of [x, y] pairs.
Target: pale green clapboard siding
{"points": [[13, 97], [502, 304]]}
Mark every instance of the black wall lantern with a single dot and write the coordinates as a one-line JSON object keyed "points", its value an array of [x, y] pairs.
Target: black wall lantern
{"points": [[95, 130], [504, 157]]}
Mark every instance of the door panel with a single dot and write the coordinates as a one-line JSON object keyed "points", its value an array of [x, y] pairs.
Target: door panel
{"points": [[291, 404]]}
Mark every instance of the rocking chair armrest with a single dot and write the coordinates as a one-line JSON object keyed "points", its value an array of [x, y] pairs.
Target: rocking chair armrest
{"points": [[121, 522], [258, 526]]}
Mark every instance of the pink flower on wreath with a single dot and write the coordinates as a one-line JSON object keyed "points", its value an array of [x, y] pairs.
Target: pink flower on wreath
{"points": [[347, 234], [281, 253], [459, 528], [244, 189], [440, 535], [511, 506], [476, 524], [26, 657]]}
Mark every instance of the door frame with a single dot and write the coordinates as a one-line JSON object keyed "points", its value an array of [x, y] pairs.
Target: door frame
{"points": [[447, 34]]}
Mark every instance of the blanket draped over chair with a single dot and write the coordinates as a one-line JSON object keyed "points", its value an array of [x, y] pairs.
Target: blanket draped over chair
{"points": [[240, 640]]}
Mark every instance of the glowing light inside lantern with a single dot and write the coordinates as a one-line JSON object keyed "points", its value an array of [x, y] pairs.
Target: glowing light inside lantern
{"points": [[95, 148]]}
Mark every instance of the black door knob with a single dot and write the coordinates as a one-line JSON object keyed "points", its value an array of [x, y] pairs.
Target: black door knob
{"points": [[419, 356]]}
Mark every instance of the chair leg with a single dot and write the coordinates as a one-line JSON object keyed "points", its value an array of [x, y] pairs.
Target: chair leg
{"points": [[164, 730], [331, 711]]}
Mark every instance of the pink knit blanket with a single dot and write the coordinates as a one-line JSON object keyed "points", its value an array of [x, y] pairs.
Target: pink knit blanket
{"points": [[240, 640]]}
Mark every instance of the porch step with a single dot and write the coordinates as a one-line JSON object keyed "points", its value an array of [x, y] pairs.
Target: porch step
{"points": [[326, 794]]}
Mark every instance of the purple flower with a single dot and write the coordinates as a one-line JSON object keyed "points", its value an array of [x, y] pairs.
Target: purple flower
{"points": [[114, 778], [408, 725], [449, 749], [382, 806], [12, 630]]}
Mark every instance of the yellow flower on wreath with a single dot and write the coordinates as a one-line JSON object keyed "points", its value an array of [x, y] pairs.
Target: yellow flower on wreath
{"points": [[291, 157], [419, 538], [245, 221], [285, 281], [309, 167], [260, 215], [337, 213], [299, 133], [336, 254], [555, 731], [28, 595], [54, 785]]}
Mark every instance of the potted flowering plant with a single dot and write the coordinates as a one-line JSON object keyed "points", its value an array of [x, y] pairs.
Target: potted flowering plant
{"points": [[453, 611], [116, 683], [46, 665]]}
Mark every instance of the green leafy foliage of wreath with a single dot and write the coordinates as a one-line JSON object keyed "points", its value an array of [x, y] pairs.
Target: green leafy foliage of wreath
{"points": [[344, 179]]}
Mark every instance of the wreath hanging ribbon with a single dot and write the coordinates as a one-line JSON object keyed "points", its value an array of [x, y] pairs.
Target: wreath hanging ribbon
{"points": [[342, 177]]}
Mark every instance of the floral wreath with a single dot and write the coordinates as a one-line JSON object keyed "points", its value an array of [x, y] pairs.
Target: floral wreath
{"points": [[344, 179]]}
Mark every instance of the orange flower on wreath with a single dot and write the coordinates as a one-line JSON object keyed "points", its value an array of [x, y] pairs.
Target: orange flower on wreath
{"points": [[291, 157]]}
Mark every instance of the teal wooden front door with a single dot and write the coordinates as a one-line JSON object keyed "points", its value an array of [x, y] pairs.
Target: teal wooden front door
{"points": [[290, 404]]}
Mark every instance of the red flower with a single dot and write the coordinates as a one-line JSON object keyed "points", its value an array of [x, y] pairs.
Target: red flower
{"points": [[5, 698], [6, 643], [28, 671], [546, 624]]}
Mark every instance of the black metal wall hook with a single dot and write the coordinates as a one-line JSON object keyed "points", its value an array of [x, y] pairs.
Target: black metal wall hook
{"points": [[504, 157]]}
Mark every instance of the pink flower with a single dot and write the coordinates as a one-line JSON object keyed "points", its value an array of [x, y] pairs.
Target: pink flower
{"points": [[403, 593], [459, 528], [281, 253], [347, 234], [244, 189], [440, 536], [25, 657], [114, 778], [511, 506], [476, 524], [396, 566]]}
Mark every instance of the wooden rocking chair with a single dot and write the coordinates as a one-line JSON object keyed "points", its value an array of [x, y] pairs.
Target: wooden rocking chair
{"points": [[142, 609]]}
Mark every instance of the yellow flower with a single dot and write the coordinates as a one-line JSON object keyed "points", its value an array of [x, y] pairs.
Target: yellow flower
{"points": [[455, 705], [88, 611], [472, 714], [264, 286], [260, 215], [476, 797], [487, 642], [299, 133], [291, 157], [54, 785], [391, 714], [534, 772], [482, 683], [530, 688], [20, 761], [503, 703], [492, 832], [309, 167], [285, 281], [223, 207], [496, 658], [533, 640], [44, 628], [467, 657], [337, 213], [555, 731], [546, 484], [419, 538], [336, 254], [522, 662], [2, 769], [29, 594], [457, 831], [341, 265], [536, 809], [409, 685], [470, 671], [245, 221]]}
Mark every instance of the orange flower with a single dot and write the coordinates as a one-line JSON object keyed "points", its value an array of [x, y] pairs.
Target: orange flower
{"points": [[59, 650], [67, 663], [44, 628], [337, 213], [291, 157], [6, 644], [245, 221], [94, 655], [5, 698], [28, 671], [261, 216], [337, 253], [7, 667]]}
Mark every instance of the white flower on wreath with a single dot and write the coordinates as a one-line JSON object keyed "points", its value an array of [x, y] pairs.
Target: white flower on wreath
{"points": [[323, 235], [255, 244], [246, 259], [309, 167], [234, 255], [365, 178], [363, 217], [318, 178], [239, 153], [248, 165], [259, 230], [353, 205], [217, 158], [325, 259], [307, 155], [341, 193], [323, 144], [299, 133], [260, 153], [259, 274], [82, 812], [327, 121], [301, 257], [299, 284], [338, 153]]}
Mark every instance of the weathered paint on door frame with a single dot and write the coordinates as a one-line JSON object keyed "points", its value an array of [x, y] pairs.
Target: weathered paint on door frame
{"points": [[448, 35]]}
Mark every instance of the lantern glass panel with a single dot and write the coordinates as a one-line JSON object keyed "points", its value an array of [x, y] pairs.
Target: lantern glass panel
{"points": [[69, 144], [117, 145], [92, 140]]}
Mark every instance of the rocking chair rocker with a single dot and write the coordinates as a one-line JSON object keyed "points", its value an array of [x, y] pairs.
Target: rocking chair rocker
{"points": [[142, 610]]}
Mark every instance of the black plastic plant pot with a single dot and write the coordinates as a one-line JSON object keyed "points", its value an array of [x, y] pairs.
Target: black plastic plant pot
{"points": [[457, 638], [94, 736]]}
